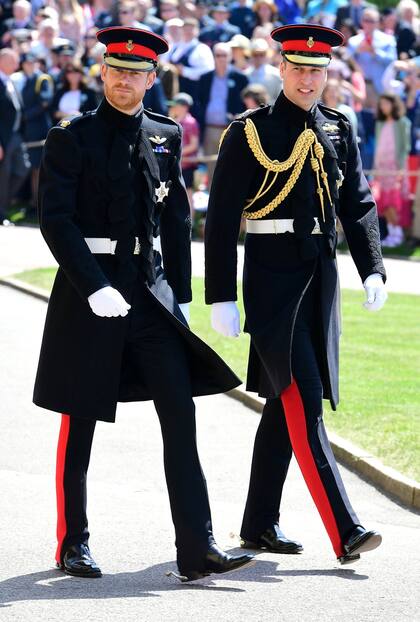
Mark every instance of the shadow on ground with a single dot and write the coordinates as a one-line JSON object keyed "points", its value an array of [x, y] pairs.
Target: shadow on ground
{"points": [[54, 585]]}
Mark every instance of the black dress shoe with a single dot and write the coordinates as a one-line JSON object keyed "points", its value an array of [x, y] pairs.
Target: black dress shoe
{"points": [[78, 562], [360, 541], [217, 561], [273, 540]]}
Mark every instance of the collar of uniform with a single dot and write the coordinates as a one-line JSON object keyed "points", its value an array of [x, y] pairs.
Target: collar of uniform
{"points": [[286, 108], [126, 123]]}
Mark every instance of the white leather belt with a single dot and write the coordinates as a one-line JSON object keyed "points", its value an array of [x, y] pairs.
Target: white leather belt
{"points": [[277, 225], [106, 246]]}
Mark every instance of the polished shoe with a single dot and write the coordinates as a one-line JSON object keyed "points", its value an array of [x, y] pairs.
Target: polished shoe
{"points": [[273, 540], [216, 561], [360, 541], [78, 562]]}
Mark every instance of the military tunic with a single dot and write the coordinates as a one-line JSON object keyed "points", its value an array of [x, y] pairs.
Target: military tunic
{"points": [[99, 177], [279, 268]]}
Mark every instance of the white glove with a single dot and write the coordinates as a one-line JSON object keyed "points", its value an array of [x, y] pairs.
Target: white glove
{"points": [[225, 318], [376, 294], [185, 308], [108, 302]]}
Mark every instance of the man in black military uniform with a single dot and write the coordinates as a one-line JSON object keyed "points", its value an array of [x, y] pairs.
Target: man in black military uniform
{"points": [[291, 170], [115, 328]]}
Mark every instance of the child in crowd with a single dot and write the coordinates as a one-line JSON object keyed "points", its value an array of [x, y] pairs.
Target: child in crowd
{"points": [[179, 109], [392, 132]]}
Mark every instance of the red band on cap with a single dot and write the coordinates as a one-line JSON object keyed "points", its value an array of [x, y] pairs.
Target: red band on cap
{"points": [[307, 45], [128, 47]]}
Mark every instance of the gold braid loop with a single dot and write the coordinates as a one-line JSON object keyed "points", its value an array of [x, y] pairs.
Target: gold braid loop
{"points": [[296, 160], [319, 150], [306, 138], [287, 188], [307, 141]]}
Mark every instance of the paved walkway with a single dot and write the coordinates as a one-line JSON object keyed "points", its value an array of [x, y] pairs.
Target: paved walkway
{"points": [[23, 248], [132, 534]]}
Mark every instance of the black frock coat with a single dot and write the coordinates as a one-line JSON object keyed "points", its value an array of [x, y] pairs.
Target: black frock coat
{"points": [[98, 178], [279, 268]]}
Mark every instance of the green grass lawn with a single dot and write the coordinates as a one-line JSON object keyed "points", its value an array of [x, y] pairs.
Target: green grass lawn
{"points": [[380, 371]]}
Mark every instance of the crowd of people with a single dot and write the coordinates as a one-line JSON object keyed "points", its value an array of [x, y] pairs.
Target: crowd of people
{"points": [[221, 62]]}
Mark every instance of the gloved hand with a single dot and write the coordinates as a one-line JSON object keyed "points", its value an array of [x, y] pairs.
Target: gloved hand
{"points": [[225, 318], [376, 294], [185, 308], [108, 302]]}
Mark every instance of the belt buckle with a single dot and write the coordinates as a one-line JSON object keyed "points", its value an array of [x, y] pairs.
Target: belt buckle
{"points": [[317, 228], [137, 247]]}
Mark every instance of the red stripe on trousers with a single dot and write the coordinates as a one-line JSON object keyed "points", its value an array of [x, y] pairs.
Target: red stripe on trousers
{"points": [[59, 483], [296, 425]]}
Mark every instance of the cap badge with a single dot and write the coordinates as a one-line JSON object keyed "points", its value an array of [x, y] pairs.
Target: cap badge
{"points": [[161, 192], [158, 140], [129, 45], [64, 123], [310, 42]]}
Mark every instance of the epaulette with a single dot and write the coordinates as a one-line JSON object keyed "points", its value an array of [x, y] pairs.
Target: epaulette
{"points": [[72, 121], [333, 112], [262, 111], [160, 117]]}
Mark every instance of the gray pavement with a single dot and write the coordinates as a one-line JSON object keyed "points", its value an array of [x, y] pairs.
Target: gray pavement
{"points": [[132, 534], [23, 248]]}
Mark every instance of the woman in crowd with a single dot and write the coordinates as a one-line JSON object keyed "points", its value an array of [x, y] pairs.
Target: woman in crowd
{"points": [[392, 135], [74, 97]]}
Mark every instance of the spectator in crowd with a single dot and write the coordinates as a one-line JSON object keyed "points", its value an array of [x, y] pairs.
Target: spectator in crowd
{"points": [[243, 17], [22, 19], [61, 56], [48, 39], [392, 148], [408, 29], [169, 9], [261, 71], [412, 104], [74, 96], [323, 11], [36, 92], [348, 30], [409, 16], [219, 101], [191, 58], [241, 51], [71, 20], [332, 97], [290, 11], [373, 50], [89, 43], [14, 163], [180, 111], [265, 14], [128, 14], [352, 10], [254, 96], [222, 31], [202, 14], [154, 99], [147, 18], [105, 14]]}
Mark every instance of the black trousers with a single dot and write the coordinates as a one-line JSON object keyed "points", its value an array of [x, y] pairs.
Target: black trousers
{"points": [[14, 168], [293, 422], [156, 351]]}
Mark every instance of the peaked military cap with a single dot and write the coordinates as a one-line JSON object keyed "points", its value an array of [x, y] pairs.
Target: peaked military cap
{"points": [[307, 44], [131, 48]]}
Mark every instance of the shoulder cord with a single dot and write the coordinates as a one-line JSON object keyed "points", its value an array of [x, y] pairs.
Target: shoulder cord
{"points": [[307, 141]]}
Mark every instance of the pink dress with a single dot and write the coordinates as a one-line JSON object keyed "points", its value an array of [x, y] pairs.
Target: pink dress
{"points": [[387, 187]]}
